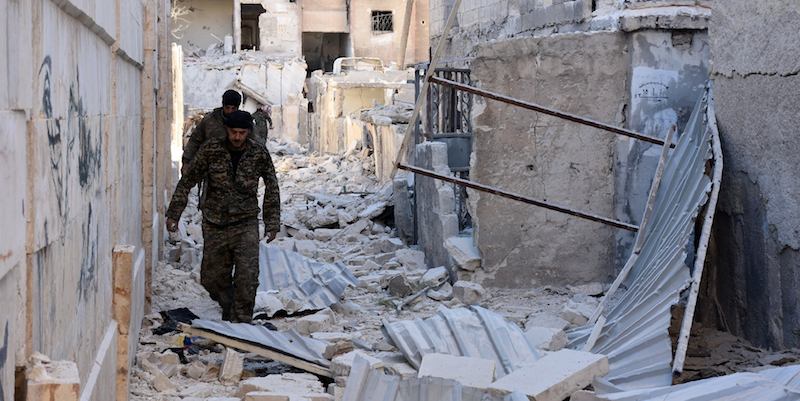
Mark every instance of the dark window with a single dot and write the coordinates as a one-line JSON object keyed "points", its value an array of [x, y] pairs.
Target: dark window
{"points": [[382, 21]]}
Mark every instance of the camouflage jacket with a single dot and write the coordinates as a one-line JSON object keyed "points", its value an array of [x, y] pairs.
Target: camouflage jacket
{"points": [[262, 121], [231, 199], [211, 126]]}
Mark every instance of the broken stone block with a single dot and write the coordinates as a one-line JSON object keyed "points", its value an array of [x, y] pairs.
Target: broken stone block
{"points": [[320, 321], [553, 377], [48, 380], [324, 234], [336, 391], [444, 293], [291, 383], [468, 292], [577, 313], [195, 231], [211, 374], [372, 211], [196, 369], [396, 365], [464, 253], [471, 372], [340, 365], [162, 383], [339, 343], [274, 396], [546, 338], [433, 277], [384, 259], [356, 228], [411, 259], [198, 391], [391, 244], [398, 286], [591, 289], [232, 366], [306, 247], [371, 265], [541, 319]]}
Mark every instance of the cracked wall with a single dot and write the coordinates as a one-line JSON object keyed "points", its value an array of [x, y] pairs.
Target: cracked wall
{"points": [[753, 283]]}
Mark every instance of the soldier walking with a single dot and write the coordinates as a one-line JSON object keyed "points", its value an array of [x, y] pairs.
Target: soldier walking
{"points": [[232, 165], [263, 120]]}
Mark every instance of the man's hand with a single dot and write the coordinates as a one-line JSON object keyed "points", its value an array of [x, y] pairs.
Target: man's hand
{"points": [[270, 235], [172, 225]]}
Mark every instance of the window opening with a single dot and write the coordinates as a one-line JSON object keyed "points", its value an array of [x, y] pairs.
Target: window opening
{"points": [[382, 21]]}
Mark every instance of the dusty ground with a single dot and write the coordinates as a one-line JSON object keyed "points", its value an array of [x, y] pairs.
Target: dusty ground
{"points": [[349, 188]]}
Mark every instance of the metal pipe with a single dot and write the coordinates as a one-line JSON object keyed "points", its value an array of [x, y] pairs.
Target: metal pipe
{"points": [[549, 111], [517, 197]]}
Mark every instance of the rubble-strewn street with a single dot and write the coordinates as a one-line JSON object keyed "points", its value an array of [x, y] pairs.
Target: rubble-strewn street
{"points": [[333, 209]]}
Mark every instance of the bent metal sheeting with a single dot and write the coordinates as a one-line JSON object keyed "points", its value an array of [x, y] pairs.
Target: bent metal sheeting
{"points": [[634, 333]]}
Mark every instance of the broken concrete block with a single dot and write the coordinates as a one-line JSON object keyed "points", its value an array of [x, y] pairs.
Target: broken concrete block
{"points": [[372, 211], [546, 338], [232, 366], [411, 259], [340, 365], [468, 292], [320, 321], [384, 259], [391, 244], [356, 228], [273, 396], [591, 289], [306, 247], [371, 265], [339, 343], [444, 293], [433, 277], [291, 383], [398, 286], [471, 372], [211, 374], [464, 253], [324, 234], [48, 380], [196, 369], [198, 391], [396, 365], [577, 313], [336, 391], [553, 377], [162, 383], [541, 319]]}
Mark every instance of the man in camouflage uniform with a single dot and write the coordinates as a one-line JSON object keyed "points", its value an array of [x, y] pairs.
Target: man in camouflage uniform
{"points": [[232, 164], [262, 120]]}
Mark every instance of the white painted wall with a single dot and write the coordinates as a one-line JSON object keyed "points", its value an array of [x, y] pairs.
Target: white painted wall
{"points": [[203, 20]]}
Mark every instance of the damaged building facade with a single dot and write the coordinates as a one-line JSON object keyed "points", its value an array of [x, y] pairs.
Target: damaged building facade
{"points": [[85, 162]]}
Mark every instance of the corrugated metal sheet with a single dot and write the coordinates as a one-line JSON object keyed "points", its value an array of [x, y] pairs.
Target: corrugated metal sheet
{"points": [[768, 385], [312, 284], [365, 384], [286, 342], [474, 332], [634, 336]]}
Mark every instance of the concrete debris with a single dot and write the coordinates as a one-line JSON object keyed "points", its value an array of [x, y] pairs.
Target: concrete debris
{"points": [[578, 313], [472, 372], [546, 338], [201, 391], [554, 377], [232, 366], [433, 277], [398, 286], [591, 289], [411, 259], [546, 320], [196, 369], [49, 380], [396, 365], [468, 292], [340, 365], [162, 383], [320, 321], [464, 253], [444, 293], [302, 384]]}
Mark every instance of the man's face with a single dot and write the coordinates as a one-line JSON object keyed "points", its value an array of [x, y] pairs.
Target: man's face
{"points": [[237, 137], [228, 108]]}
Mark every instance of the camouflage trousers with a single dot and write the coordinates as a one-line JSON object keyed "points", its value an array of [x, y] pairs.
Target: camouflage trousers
{"points": [[229, 271]]}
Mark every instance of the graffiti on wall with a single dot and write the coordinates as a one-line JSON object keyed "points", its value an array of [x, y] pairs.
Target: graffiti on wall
{"points": [[54, 142]]}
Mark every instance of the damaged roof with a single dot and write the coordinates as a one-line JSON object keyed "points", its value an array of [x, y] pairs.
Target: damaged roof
{"points": [[473, 332], [634, 332]]}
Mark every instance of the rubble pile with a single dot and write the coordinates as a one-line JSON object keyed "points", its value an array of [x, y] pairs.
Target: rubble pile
{"points": [[335, 211]]}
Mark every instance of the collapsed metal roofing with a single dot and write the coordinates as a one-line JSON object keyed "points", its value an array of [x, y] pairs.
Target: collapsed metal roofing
{"points": [[365, 384], [634, 332], [288, 343], [474, 332], [313, 285], [767, 385]]}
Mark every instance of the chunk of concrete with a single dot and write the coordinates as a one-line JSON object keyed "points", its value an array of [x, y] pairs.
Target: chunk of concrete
{"points": [[372, 211], [339, 343], [468, 292], [320, 321], [398, 286], [577, 313], [306, 247], [340, 365], [48, 380], [391, 244], [553, 377], [546, 338], [273, 396], [433, 276], [162, 383], [324, 234], [396, 365], [471, 372], [464, 253], [591, 289], [541, 319], [198, 391], [444, 293], [411, 259], [290, 383], [232, 366], [196, 369]]}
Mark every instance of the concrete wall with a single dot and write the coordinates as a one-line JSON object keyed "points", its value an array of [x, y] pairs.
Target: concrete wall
{"points": [[547, 158], [435, 204], [753, 279], [386, 45], [202, 20], [325, 16], [280, 28], [73, 172]]}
